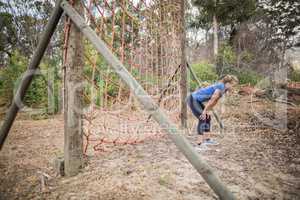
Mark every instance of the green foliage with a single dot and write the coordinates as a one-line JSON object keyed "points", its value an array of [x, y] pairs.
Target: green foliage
{"points": [[99, 79], [205, 72], [226, 64], [226, 55], [245, 76], [226, 58], [249, 76], [106, 80], [9, 76], [228, 12], [113, 89], [295, 76], [36, 95], [246, 57], [22, 22], [264, 83]]}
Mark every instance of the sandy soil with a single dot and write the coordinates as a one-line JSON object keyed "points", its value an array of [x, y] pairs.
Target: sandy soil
{"points": [[254, 160]]}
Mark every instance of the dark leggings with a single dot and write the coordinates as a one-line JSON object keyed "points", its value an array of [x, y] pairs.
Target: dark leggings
{"points": [[197, 109]]}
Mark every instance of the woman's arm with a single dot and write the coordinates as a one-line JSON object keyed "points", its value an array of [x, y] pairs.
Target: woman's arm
{"points": [[211, 103]]}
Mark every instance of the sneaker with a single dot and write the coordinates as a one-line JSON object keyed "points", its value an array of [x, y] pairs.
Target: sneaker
{"points": [[201, 148], [210, 142]]}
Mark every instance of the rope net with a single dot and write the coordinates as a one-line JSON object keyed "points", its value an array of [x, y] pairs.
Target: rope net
{"points": [[145, 36]]}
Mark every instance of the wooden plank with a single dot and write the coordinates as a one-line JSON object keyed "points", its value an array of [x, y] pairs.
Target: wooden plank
{"points": [[149, 105]]}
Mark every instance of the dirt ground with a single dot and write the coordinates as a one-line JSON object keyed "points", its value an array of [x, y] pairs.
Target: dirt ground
{"points": [[253, 159]]}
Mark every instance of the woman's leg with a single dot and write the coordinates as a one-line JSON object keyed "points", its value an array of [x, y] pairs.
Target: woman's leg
{"points": [[196, 109], [200, 132], [194, 106], [204, 126]]}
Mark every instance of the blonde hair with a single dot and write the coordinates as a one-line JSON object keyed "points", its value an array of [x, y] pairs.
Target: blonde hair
{"points": [[229, 79]]}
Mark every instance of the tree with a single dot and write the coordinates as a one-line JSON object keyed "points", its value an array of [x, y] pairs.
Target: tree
{"points": [[8, 36], [226, 12], [283, 19], [21, 23]]}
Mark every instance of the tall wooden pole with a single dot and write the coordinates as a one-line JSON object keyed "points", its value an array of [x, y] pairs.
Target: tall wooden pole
{"points": [[73, 141], [215, 35], [28, 75], [183, 72], [150, 106]]}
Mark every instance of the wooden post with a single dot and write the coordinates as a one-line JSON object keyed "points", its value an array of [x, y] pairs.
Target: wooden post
{"points": [[28, 76], [149, 105], [73, 143], [183, 74]]}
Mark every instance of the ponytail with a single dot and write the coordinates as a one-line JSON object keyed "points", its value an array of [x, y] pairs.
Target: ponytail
{"points": [[229, 79]]}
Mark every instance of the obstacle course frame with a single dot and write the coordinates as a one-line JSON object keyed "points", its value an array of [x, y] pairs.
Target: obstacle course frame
{"points": [[147, 102]]}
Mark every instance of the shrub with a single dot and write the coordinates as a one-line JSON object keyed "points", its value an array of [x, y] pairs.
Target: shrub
{"points": [[226, 58], [295, 76], [36, 95], [205, 73], [246, 57], [9, 76], [245, 76], [249, 77], [226, 54]]}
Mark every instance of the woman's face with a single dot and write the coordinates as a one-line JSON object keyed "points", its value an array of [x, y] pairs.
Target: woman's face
{"points": [[229, 86]]}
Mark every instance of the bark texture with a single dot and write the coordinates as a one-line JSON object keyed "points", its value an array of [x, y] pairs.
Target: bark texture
{"points": [[183, 72], [216, 42], [73, 141]]}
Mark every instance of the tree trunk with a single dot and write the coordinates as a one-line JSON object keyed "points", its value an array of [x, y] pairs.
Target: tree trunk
{"points": [[238, 60], [51, 91], [207, 53], [216, 45], [282, 61], [73, 146], [183, 73]]}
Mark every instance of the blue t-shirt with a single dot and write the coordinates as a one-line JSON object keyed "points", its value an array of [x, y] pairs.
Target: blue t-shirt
{"points": [[204, 94]]}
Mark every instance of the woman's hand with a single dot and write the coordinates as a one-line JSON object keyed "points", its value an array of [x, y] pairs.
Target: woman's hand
{"points": [[203, 116]]}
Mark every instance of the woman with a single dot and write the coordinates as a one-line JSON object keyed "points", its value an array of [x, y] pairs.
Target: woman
{"points": [[210, 94]]}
